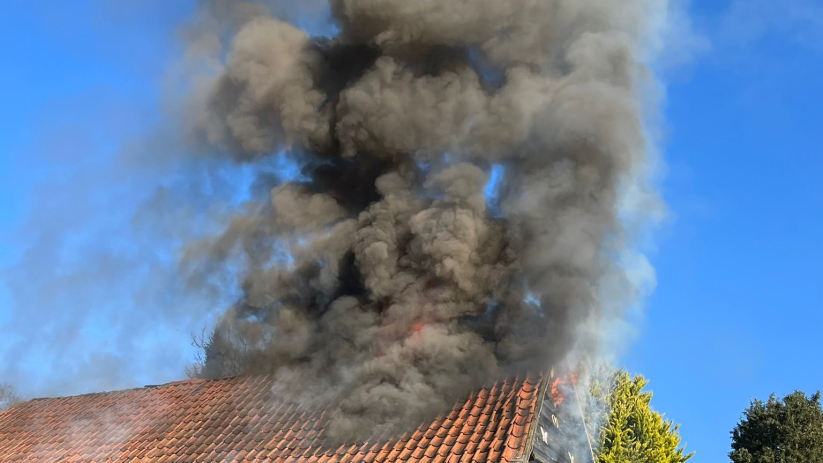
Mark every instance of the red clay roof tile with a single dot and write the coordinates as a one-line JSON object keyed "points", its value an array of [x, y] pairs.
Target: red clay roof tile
{"points": [[239, 419]]}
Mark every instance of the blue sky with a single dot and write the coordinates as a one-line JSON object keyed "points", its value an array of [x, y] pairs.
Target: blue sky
{"points": [[738, 308]]}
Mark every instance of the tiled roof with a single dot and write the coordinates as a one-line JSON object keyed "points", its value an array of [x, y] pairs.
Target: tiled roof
{"points": [[234, 420]]}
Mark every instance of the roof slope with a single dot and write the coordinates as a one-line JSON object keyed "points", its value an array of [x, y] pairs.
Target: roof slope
{"points": [[233, 419]]}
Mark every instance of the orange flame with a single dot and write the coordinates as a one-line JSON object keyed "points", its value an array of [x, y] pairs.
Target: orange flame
{"points": [[420, 324], [556, 392]]}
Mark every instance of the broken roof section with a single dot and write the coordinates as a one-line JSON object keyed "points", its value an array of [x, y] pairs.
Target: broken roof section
{"points": [[237, 420]]}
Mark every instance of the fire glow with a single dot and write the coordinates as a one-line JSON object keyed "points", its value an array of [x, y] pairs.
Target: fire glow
{"points": [[559, 386]]}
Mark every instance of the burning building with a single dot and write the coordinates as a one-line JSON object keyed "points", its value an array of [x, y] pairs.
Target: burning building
{"points": [[456, 213], [456, 219], [241, 419]]}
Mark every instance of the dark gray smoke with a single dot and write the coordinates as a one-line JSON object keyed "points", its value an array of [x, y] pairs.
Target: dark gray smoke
{"points": [[390, 274]]}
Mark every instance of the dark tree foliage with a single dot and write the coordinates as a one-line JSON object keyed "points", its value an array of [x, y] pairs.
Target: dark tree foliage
{"points": [[222, 354], [787, 430]]}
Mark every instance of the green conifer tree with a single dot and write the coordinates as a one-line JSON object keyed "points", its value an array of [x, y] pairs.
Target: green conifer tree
{"points": [[787, 430], [624, 427]]}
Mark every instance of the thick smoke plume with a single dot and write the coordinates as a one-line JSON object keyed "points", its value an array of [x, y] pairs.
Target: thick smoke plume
{"points": [[394, 275]]}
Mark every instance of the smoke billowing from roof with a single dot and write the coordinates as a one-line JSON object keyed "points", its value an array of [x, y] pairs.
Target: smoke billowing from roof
{"points": [[392, 272]]}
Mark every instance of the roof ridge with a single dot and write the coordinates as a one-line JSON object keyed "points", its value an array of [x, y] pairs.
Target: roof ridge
{"points": [[117, 391], [175, 383], [516, 379]]}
